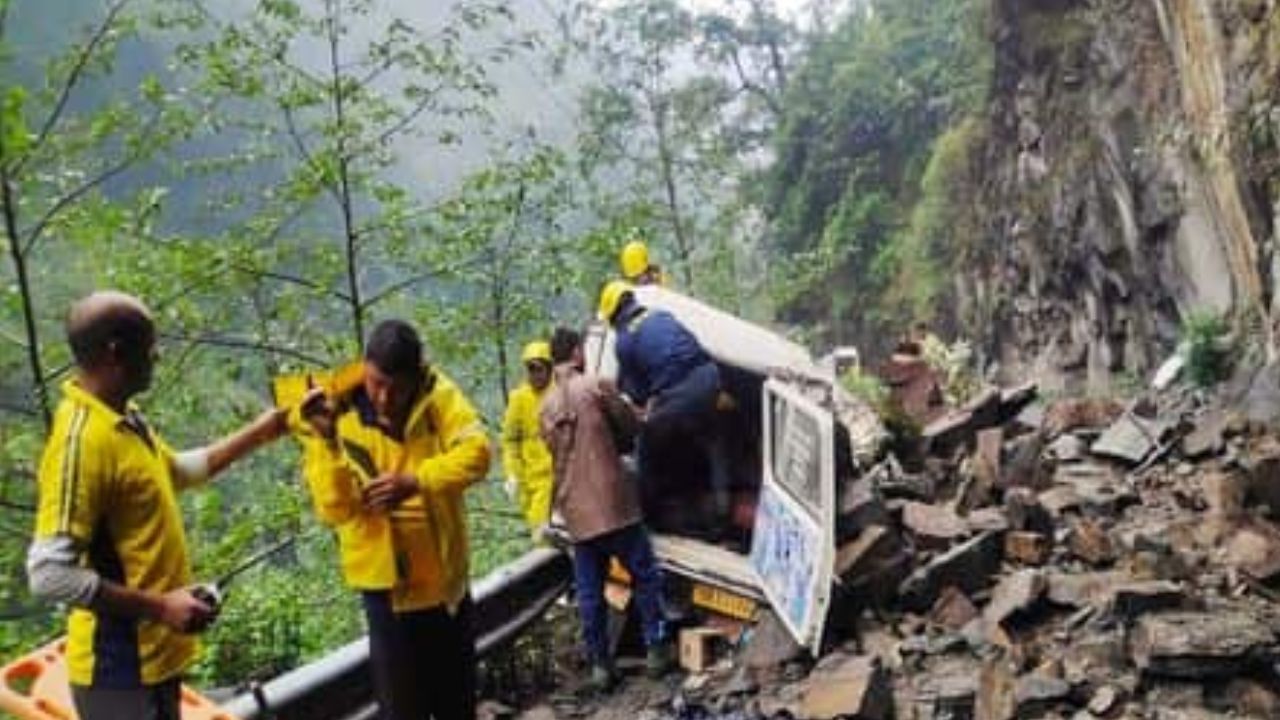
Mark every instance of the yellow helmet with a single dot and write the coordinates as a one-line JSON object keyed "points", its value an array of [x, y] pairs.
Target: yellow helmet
{"points": [[634, 259], [535, 351], [611, 298]]}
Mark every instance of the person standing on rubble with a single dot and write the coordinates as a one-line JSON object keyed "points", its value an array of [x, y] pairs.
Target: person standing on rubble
{"points": [[524, 455], [387, 464], [108, 539], [584, 420], [666, 372]]}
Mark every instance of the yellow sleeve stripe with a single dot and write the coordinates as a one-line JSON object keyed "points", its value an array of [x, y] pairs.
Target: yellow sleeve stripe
{"points": [[71, 468]]}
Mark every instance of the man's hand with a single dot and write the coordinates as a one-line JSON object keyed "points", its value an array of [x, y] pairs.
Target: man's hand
{"points": [[389, 490], [182, 611], [319, 413]]}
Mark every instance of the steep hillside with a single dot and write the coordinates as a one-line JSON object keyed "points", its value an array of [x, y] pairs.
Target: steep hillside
{"points": [[1129, 177], [1062, 182]]}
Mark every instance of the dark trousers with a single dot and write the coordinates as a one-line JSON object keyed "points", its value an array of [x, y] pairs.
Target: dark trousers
{"points": [[423, 661], [152, 702], [590, 567], [687, 410]]}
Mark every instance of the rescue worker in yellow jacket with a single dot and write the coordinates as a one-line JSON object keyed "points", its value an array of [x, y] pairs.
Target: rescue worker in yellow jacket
{"points": [[525, 457], [635, 265], [108, 536], [387, 463]]}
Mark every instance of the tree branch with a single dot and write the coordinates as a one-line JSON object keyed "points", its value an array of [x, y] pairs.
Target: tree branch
{"points": [[300, 144], [753, 87], [291, 279], [406, 119], [34, 234], [397, 286], [222, 266], [9, 209], [242, 344], [20, 507], [276, 57], [4, 17], [73, 79]]}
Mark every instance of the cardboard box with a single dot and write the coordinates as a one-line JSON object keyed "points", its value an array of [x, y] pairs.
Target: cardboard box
{"points": [[700, 647]]}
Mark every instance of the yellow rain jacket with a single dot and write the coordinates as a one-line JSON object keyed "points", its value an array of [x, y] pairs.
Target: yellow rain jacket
{"points": [[419, 550], [525, 456]]}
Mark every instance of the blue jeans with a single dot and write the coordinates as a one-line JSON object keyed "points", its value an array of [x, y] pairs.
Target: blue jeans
{"points": [[590, 566]]}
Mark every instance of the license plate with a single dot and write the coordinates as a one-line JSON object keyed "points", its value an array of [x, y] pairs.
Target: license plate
{"points": [[724, 602]]}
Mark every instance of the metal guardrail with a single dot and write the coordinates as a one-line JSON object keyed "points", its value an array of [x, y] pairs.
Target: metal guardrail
{"points": [[338, 686]]}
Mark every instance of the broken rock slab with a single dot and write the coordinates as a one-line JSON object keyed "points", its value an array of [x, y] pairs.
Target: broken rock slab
{"points": [[1015, 399], [860, 507], [1098, 489], [1084, 589], [948, 432], [1221, 643], [1131, 438], [1080, 414], [1247, 697], [1015, 595], [969, 566], [1027, 548], [1067, 448], [946, 689], [1090, 542], [953, 610], [1035, 694], [770, 644], [997, 686], [987, 519], [1224, 492], [1131, 600], [1025, 512], [986, 466], [934, 527], [1208, 436], [1264, 474], [1093, 657], [1254, 549], [871, 567], [1022, 464], [847, 687], [860, 557]]}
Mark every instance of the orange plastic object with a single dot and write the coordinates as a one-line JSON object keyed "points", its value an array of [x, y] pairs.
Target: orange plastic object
{"points": [[617, 572], [290, 389], [35, 687]]}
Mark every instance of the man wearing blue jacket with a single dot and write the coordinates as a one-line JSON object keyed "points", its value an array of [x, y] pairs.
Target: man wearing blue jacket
{"points": [[666, 372]]}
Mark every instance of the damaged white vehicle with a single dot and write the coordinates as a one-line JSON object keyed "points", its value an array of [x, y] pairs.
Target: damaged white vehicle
{"points": [[793, 437]]}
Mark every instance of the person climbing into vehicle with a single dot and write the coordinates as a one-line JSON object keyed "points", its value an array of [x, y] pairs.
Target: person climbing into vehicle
{"points": [[525, 458], [584, 420], [666, 372]]}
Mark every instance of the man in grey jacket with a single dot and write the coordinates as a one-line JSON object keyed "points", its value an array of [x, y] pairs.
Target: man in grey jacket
{"points": [[581, 420]]}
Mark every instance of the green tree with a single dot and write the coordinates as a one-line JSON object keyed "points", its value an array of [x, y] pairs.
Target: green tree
{"points": [[650, 131], [375, 84], [863, 111]]}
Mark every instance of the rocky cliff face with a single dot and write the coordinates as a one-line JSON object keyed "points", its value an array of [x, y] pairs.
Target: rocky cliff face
{"points": [[1130, 175]]}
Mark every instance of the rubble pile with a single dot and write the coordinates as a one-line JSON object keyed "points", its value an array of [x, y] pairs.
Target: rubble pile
{"points": [[1080, 559], [1077, 559]]}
